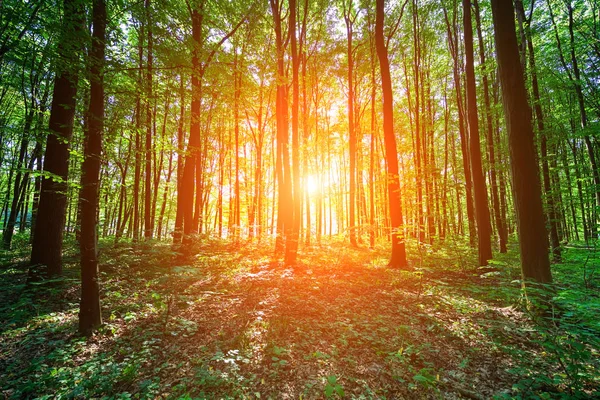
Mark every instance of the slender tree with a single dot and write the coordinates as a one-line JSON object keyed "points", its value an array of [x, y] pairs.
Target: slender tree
{"points": [[148, 147], [90, 316], [482, 211], [398, 257], [349, 19]]}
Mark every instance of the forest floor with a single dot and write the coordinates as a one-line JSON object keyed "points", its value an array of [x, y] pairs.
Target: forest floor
{"points": [[231, 323]]}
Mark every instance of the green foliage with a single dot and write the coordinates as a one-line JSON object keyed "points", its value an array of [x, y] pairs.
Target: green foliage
{"points": [[332, 387], [348, 328]]}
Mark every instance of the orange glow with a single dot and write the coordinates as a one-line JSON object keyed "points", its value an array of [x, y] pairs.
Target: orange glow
{"points": [[312, 184]]}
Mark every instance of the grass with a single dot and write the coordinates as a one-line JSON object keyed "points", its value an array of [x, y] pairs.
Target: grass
{"points": [[230, 322]]}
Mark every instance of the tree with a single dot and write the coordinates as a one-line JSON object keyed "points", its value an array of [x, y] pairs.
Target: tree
{"points": [[192, 164], [482, 211], [291, 250], [533, 238], [350, 18], [90, 316], [285, 216], [500, 226], [48, 235], [148, 222], [398, 257], [539, 118]]}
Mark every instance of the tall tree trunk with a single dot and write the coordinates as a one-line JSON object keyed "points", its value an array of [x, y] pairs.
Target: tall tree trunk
{"points": [[482, 211], [189, 169], [148, 174], [349, 20], [285, 216], [539, 117], [533, 240], [398, 257], [295, 205], [500, 228], [90, 316], [420, 226], [47, 237], [192, 163]]}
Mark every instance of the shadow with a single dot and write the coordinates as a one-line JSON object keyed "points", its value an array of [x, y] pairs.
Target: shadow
{"points": [[228, 323]]}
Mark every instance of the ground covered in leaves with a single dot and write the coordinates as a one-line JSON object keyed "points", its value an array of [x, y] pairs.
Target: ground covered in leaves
{"points": [[229, 322]]}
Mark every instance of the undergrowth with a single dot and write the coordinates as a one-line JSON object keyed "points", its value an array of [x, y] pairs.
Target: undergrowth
{"points": [[230, 322]]}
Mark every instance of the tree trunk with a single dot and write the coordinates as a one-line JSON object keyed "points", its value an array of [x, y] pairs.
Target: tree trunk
{"points": [[398, 257], [47, 237], [482, 211], [533, 240], [295, 204], [500, 228], [148, 167], [285, 217], [539, 117], [351, 132], [189, 169], [90, 316]]}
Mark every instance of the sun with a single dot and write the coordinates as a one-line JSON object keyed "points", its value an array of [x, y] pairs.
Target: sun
{"points": [[311, 184]]}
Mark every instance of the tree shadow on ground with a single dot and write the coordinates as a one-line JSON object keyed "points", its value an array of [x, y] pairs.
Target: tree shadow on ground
{"points": [[228, 322]]}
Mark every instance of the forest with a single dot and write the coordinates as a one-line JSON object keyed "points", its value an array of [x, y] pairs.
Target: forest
{"points": [[300, 199]]}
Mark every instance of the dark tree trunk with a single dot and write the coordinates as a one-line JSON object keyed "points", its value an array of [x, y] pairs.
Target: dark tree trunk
{"points": [[351, 132], [189, 169], [500, 228], [539, 117], [47, 237], [482, 211], [90, 316], [420, 226], [533, 240], [148, 168], [192, 165], [398, 257]]}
